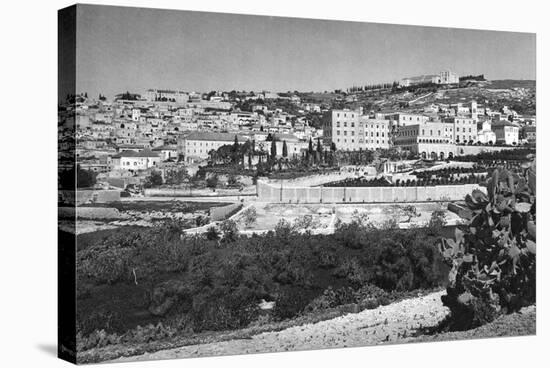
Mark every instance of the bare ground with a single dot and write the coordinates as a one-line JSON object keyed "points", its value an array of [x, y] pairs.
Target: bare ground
{"points": [[395, 323]]}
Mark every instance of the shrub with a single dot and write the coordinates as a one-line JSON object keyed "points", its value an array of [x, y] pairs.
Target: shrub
{"points": [[229, 230], [437, 221], [351, 270], [493, 260], [289, 303], [250, 216], [212, 233], [331, 298], [392, 268], [351, 235], [212, 182]]}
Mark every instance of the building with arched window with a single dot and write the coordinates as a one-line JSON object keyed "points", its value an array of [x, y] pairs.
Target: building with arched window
{"points": [[430, 140]]}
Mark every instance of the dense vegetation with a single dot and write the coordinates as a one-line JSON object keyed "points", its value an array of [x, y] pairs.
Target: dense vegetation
{"points": [[420, 182], [194, 284], [493, 258], [519, 154]]}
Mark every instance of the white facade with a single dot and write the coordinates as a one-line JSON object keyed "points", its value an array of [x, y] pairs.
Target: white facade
{"points": [[506, 133], [464, 129], [403, 119], [485, 135], [352, 131], [130, 160], [432, 140]]}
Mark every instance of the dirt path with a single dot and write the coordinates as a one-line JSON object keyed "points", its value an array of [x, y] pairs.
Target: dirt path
{"points": [[386, 324]]}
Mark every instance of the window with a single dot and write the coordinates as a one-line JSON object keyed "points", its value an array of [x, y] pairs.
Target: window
{"points": [[337, 132], [345, 124], [337, 124]]}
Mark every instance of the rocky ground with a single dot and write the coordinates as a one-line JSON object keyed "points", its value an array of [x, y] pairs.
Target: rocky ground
{"points": [[101, 218], [388, 324], [395, 323]]}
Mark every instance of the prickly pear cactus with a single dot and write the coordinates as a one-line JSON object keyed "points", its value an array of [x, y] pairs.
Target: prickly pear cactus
{"points": [[493, 259]]}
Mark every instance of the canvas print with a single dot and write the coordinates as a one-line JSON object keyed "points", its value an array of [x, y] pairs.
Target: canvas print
{"points": [[236, 184]]}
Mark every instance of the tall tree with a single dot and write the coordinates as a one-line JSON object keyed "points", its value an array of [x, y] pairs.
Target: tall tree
{"points": [[285, 149], [273, 150]]}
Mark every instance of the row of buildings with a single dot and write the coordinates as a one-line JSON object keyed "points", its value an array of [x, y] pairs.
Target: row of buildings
{"points": [[438, 135]]}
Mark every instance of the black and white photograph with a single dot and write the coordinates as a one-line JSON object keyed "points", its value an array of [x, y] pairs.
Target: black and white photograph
{"points": [[274, 184], [236, 184]]}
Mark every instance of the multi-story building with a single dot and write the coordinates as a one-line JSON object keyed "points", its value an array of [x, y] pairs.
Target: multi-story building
{"points": [[343, 129], [485, 135], [506, 132], [432, 140], [402, 118], [464, 129], [353, 131], [197, 145], [374, 133]]}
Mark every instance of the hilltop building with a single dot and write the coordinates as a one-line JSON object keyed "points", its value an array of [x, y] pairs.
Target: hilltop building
{"points": [[444, 77]]}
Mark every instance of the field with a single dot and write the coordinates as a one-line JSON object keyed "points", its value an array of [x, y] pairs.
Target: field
{"points": [[324, 217], [192, 287]]}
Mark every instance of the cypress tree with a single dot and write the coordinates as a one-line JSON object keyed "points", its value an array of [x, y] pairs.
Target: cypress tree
{"points": [[273, 149]]}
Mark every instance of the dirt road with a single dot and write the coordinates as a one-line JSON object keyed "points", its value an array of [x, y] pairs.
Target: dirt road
{"points": [[387, 324]]}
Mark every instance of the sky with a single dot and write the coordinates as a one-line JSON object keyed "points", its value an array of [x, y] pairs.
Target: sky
{"points": [[132, 49]]}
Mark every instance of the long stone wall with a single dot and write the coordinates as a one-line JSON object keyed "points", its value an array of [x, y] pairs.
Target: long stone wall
{"points": [[280, 194]]}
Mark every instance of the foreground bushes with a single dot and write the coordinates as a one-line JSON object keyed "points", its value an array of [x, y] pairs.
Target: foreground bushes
{"points": [[201, 283], [494, 258]]}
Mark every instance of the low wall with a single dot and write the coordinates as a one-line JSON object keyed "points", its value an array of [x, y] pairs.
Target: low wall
{"points": [[277, 194], [474, 150]]}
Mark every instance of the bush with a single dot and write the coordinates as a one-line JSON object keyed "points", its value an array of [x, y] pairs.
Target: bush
{"points": [[212, 233], [289, 304], [229, 230], [493, 259], [250, 216], [331, 298]]}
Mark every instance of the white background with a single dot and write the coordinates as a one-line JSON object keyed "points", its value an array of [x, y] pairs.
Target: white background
{"points": [[28, 194]]}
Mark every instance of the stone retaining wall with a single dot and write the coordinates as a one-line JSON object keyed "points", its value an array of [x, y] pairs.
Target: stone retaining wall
{"points": [[280, 194]]}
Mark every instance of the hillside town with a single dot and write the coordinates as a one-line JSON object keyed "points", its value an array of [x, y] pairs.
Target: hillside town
{"points": [[125, 139]]}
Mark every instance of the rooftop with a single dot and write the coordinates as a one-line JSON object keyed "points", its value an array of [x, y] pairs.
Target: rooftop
{"points": [[144, 153], [214, 136]]}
